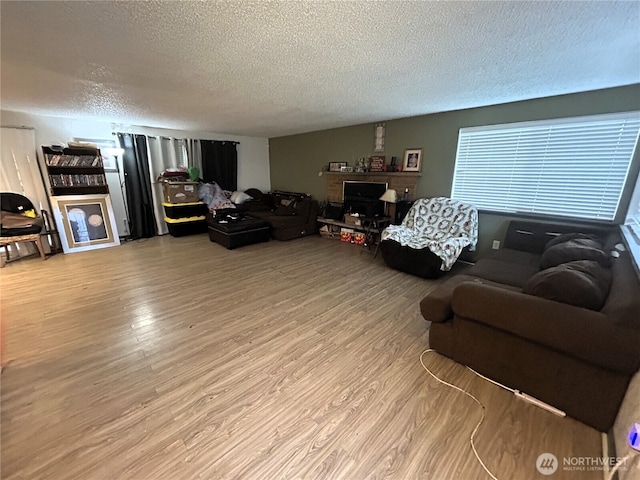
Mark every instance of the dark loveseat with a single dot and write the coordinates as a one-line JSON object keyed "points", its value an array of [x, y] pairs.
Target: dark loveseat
{"points": [[291, 215], [568, 335]]}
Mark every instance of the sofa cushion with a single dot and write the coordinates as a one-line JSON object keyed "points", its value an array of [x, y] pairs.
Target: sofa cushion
{"points": [[284, 210], [240, 197], [583, 283], [565, 237], [517, 256], [260, 202], [503, 271], [577, 248], [254, 193]]}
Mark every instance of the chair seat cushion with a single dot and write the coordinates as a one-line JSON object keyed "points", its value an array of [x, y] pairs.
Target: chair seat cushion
{"points": [[17, 232], [12, 224], [447, 249]]}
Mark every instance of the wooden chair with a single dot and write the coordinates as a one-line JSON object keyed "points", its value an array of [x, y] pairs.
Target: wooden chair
{"points": [[14, 206], [33, 237]]}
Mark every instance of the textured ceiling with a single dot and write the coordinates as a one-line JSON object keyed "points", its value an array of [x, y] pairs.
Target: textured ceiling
{"points": [[276, 68]]}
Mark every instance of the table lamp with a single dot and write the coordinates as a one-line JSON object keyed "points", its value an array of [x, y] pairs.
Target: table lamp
{"points": [[389, 196]]}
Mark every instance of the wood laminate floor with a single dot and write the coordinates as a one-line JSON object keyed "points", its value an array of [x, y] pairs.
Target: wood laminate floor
{"points": [[176, 358]]}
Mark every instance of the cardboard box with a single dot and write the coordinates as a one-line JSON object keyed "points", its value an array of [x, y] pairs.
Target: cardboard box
{"points": [[352, 220], [330, 231], [346, 234], [180, 192]]}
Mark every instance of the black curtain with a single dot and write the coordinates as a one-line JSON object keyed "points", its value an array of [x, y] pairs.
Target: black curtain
{"points": [[137, 179], [220, 163]]}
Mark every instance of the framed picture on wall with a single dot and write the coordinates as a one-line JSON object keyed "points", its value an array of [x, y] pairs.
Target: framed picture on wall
{"points": [[107, 147], [336, 166], [378, 137], [412, 160], [85, 222]]}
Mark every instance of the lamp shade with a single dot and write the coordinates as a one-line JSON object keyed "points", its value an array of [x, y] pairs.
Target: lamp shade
{"points": [[390, 195]]}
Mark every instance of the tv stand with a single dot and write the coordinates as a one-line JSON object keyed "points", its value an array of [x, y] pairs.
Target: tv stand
{"points": [[371, 226]]}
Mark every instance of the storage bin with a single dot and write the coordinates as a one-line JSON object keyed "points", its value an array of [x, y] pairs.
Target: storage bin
{"points": [[180, 227], [184, 210]]}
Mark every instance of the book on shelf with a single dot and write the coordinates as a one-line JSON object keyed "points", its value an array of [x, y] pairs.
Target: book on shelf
{"points": [[73, 160], [79, 180]]}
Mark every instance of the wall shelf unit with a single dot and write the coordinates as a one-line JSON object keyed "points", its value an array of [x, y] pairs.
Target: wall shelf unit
{"points": [[75, 171]]}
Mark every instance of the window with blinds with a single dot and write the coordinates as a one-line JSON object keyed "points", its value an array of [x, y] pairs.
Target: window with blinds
{"points": [[633, 216], [631, 228], [570, 168]]}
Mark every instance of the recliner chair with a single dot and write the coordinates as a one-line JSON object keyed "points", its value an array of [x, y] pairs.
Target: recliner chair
{"points": [[431, 237]]}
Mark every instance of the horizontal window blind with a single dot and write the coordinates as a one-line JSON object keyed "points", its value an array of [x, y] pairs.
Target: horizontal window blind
{"points": [[631, 228], [572, 167], [633, 214]]}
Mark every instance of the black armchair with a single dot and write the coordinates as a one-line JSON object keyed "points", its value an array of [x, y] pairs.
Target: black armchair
{"points": [[19, 222]]}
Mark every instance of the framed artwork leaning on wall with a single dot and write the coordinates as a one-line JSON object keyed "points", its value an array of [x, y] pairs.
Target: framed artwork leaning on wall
{"points": [[85, 222]]}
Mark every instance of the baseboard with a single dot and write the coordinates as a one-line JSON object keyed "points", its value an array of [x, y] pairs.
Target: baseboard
{"points": [[608, 451]]}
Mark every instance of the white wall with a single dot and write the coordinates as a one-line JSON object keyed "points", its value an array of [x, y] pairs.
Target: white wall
{"points": [[253, 152], [628, 414]]}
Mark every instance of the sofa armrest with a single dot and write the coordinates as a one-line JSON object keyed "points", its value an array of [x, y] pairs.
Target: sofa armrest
{"points": [[436, 305], [581, 333], [307, 209]]}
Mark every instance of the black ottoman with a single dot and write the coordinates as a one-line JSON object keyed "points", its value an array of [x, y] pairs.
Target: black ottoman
{"points": [[238, 233]]}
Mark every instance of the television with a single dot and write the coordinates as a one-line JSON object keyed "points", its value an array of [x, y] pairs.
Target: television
{"points": [[363, 197]]}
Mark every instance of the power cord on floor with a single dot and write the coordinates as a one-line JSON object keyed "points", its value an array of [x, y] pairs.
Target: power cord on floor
{"points": [[512, 390], [475, 430], [618, 464]]}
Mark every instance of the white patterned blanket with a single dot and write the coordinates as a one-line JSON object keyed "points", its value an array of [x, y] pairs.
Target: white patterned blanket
{"points": [[442, 225]]}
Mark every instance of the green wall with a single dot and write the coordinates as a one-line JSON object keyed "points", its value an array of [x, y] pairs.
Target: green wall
{"points": [[295, 160]]}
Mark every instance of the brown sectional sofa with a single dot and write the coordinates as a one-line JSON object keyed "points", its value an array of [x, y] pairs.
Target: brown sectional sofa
{"points": [[291, 215], [568, 335]]}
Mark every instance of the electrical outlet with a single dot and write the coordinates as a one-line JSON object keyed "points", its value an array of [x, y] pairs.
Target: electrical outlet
{"points": [[634, 437], [496, 245]]}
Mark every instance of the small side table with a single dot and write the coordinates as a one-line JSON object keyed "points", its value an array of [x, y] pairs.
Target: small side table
{"points": [[373, 227], [402, 208]]}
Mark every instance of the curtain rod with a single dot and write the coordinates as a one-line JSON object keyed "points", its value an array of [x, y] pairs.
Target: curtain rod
{"points": [[21, 127], [173, 138]]}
